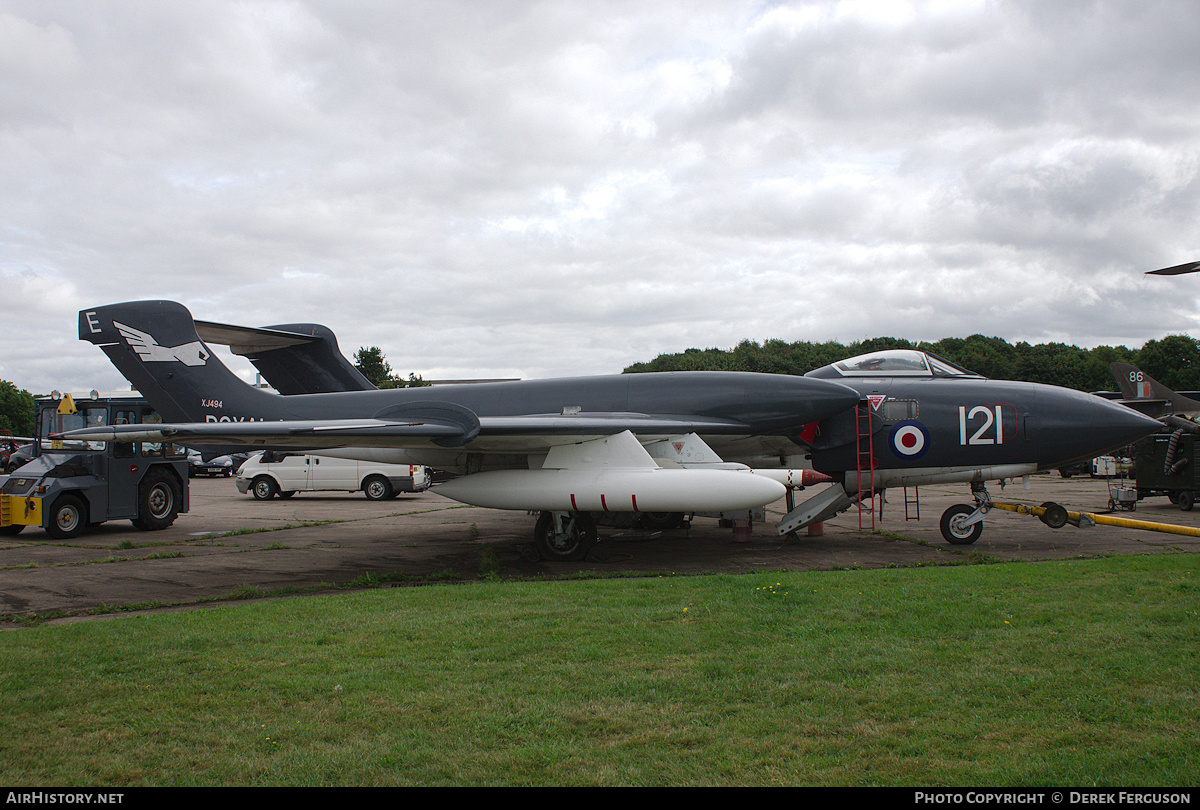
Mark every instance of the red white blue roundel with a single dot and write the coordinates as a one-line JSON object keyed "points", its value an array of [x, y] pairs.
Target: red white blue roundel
{"points": [[909, 439]]}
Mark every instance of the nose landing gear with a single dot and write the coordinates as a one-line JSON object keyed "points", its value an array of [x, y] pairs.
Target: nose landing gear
{"points": [[962, 524]]}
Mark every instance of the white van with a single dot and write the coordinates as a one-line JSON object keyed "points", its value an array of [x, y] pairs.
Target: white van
{"points": [[284, 474]]}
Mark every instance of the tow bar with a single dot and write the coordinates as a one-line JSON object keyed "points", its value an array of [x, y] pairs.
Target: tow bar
{"points": [[1056, 516]]}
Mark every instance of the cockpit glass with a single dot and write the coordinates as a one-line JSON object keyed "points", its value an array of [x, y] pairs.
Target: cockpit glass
{"points": [[884, 364], [944, 368], [900, 363]]}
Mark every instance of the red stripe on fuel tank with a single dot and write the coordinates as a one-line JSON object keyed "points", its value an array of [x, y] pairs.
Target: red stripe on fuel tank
{"points": [[573, 506], [603, 505], [634, 502]]}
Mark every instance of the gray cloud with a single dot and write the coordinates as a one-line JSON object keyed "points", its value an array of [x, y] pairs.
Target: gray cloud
{"points": [[533, 189]]}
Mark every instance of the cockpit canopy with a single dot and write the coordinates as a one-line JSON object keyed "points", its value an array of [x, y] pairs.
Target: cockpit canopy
{"points": [[893, 363]]}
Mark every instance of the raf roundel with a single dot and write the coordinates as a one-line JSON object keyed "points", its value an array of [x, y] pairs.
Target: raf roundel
{"points": [[909, 439]]}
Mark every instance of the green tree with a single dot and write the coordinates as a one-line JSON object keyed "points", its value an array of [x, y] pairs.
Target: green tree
{"points": [[1174, 361], [373, 365], [1100, 360], [16, 409]]}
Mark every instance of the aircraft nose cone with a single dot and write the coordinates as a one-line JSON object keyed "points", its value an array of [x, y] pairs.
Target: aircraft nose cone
{"points": [[1081, 426], [1127, 425]]}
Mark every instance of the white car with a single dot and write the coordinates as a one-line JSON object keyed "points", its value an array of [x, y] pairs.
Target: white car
{"points": [[269, 474]]}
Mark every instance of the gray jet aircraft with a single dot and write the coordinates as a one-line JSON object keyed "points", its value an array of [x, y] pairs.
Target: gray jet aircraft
{"points": [[1144, 393], [666, 442]]}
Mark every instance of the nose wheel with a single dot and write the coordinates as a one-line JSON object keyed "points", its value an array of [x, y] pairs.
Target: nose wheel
{"points": [[962, 524]]}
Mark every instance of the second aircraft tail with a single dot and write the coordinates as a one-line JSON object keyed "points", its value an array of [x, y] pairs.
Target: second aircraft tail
{"points": [[1144, 393]]}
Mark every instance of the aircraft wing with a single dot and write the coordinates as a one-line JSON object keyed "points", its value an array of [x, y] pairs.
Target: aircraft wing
{"points": [[453, 429], [311, 433], [1177, 270]]}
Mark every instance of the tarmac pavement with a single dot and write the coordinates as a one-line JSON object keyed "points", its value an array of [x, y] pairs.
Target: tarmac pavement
{"points": [[230, 544]]}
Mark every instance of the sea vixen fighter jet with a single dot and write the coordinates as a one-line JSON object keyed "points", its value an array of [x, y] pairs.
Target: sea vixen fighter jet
{"points": [[663, 442]]}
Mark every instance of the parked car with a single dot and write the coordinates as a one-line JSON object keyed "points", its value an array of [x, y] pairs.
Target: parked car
{"points": [[7, 447], [284, 474], [238, 459], [18, 458], [1079, 468], [216, 467]]}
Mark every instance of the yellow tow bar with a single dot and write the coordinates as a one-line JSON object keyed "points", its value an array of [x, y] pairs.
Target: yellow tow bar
{"points": [[1052, 515]]}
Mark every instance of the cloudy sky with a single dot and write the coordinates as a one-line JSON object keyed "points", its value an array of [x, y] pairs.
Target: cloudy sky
{"points": [[532, 189]]}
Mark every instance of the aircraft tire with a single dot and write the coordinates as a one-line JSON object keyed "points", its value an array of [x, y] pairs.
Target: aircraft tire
{"points": [[1185, 500], [661, 521], [959, 535], [264, 488], [377, 488], [68, 516], [158, 501], [572, 544]]}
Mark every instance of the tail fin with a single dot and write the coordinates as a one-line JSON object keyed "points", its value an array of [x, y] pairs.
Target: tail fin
{"points": [[1141, 391], [154, 344], [294, 358], [309, 368]]}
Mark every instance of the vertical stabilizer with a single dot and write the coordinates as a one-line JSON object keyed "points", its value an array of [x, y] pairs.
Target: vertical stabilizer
{"points": [[1141, 391], [155, 346], [315, 367]]}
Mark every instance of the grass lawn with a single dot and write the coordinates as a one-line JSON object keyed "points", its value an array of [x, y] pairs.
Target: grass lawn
{"points": [[1081, 672]]}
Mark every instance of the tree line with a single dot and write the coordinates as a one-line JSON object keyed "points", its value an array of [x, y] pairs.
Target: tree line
{"points": [[1173, 361]]}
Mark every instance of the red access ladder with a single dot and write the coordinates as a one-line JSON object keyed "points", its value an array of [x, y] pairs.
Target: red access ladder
{"points": [[865, 460]]}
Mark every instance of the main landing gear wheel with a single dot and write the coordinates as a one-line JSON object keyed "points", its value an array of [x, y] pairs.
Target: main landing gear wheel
{"points": [[564, 536], [956, 530], [661, 521]]}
